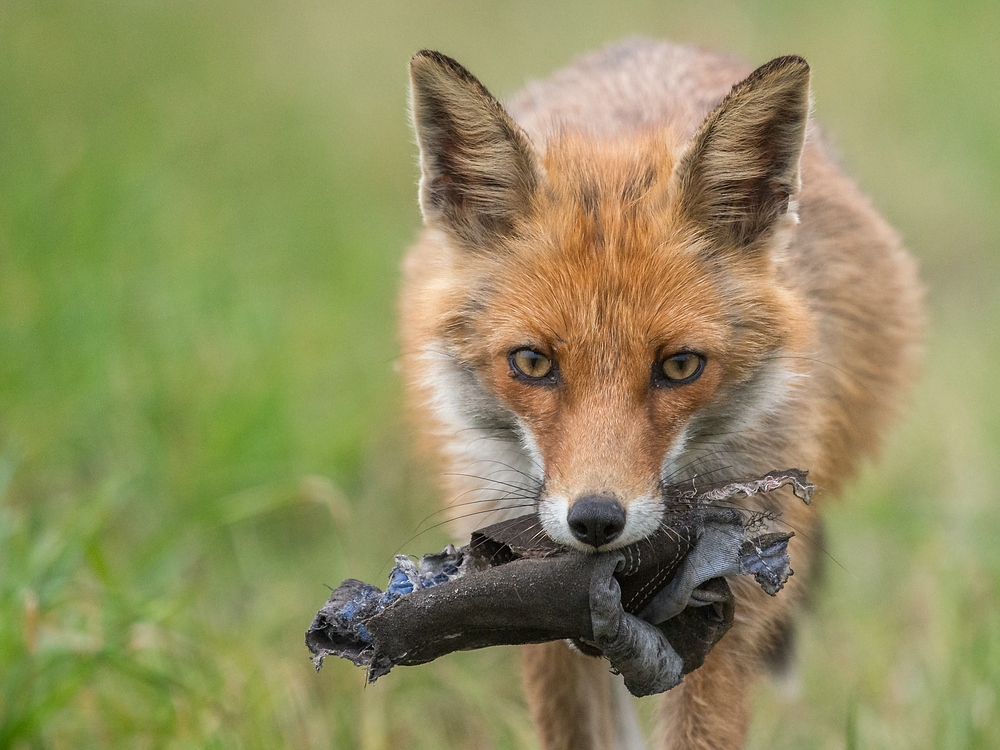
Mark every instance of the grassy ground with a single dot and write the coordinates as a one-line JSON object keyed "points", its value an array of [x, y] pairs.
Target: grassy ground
{"points": [[202, 209]]}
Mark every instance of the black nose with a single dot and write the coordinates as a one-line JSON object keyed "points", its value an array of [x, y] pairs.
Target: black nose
{"points": [[596, 520]]}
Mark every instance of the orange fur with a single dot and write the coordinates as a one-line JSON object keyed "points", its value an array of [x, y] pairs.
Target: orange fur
{"points": [[631, 207]]}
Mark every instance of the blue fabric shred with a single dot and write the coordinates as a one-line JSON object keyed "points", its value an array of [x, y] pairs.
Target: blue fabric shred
{"points": [[363, 634], [406, 577], [399, 585], [349, 610]]}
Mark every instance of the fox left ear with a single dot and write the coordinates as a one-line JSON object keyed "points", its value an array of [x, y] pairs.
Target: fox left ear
{"points": [[740, 173], [478, 168]]}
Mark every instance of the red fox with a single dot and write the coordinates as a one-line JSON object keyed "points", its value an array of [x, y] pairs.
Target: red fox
{"points": [[646, 269]]}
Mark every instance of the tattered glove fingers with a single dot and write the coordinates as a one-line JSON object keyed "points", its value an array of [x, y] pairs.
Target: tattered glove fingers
{"points": [[643, 656], [606, 597], [637, 650], [716, 554], [702, 596]]}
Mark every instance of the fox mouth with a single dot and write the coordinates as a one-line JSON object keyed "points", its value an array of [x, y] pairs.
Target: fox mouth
{"points": [[642, 517]]}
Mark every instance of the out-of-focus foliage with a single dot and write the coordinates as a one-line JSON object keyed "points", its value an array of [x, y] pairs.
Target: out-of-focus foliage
{"points": [[202, 210]]}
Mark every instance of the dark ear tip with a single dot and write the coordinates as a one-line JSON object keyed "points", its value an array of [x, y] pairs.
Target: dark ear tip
{"points": [[792, 61], [787, 65], [426, 58], [426, 55]]}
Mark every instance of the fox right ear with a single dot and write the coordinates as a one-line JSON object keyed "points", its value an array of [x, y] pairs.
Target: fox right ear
{"points": [[740, 175], [478, 168]]}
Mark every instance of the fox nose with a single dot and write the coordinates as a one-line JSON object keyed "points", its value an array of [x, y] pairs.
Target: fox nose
{"points": [[596, 519]]}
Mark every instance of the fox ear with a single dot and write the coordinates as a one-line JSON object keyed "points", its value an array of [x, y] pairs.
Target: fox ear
{"points": [[740, 173], [478, 168]]}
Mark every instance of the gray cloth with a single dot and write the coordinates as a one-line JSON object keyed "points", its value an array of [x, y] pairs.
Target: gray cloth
{"points": [[637, 650], [642, 652]]}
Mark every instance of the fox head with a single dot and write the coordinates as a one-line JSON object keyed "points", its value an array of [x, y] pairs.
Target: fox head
{"points": [[596, 316]]}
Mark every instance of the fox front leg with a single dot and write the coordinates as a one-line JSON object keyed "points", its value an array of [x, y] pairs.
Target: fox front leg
{"points": [[637, 650]]}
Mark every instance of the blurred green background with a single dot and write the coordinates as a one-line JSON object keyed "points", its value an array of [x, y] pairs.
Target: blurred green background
{"points": [[202, 210]]}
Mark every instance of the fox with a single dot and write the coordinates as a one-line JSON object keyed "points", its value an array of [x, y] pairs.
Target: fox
{"points": [[647, 268]]}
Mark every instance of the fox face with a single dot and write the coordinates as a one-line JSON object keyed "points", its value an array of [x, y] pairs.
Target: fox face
{"points": [[599, 317]]}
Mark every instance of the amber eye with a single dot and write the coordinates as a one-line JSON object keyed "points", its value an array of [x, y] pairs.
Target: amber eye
{"points": [[530, 364], [679, 369]]}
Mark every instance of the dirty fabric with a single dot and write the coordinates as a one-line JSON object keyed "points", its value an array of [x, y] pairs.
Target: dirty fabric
{"points": [[654, 609]]}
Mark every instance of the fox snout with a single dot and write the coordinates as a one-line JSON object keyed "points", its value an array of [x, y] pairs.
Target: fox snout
{"points": [[596, 520], [599, 520]]}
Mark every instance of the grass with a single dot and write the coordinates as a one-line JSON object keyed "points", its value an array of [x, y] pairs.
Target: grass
{"points": [[202, 209]]}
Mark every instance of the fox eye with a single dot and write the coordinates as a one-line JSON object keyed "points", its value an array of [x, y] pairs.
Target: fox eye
{"points": [[530, 364], [678, 369]]}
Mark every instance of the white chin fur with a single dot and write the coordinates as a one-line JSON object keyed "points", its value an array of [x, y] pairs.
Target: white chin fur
{"points": [[642, 518], [552, 513]]}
